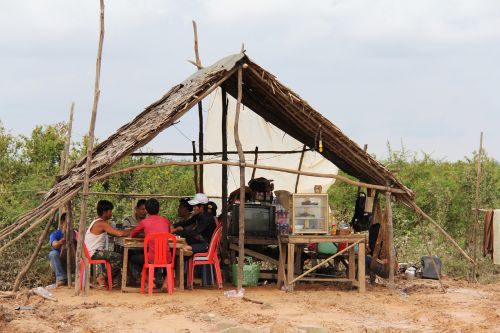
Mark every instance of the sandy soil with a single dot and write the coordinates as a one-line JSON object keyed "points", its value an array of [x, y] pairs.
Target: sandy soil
{"points": [[417, 306]]}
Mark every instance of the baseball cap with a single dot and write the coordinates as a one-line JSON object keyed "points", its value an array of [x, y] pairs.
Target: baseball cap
{"points": [[199, 199]]}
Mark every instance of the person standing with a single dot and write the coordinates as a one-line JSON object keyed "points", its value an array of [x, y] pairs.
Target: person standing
{"points": [[96, 239]]}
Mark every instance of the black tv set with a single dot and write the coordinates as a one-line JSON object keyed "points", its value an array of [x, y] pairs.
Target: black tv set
{"points": [[259, 220]]}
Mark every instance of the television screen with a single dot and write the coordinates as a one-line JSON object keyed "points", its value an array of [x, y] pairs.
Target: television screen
{"points": [[259, 220]]}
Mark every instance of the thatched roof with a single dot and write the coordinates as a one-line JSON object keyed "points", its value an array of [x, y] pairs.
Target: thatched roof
{"points": [[262, 92]]}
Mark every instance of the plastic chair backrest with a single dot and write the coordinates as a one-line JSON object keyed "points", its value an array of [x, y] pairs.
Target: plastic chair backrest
{"points": [[85, 250], [214, 242], [161, 247]]}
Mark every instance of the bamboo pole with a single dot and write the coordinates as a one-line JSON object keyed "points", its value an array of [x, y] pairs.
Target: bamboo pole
{"points": [[256, 156], [200, 111], [390, 238], [300, 167], [68, 139], [195, 169], [196, 53], [69, 239], [445, 234], [225, 103], [214, 153], [90, 148], [26, 268], [28, 230], [200, 145], [69, 213], [476, 215], [241, 235], [263, 167]]}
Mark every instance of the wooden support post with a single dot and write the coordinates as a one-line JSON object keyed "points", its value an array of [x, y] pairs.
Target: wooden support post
{"points": [[67, 144], [390, 238], [69, 213], [90, 148], [195, 169], [26, 268], [68, 233], [225, 103], [476, 213], [255, 161], [197, 63], [241, 238], [200, 146], [365, 148], [300, 167]]}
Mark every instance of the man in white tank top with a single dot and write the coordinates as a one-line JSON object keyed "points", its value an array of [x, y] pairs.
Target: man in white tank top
{"points": [[96, 239]]}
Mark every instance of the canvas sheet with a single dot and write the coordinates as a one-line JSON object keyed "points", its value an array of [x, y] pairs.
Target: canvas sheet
{"points": [[496, 237], [255, 131]]}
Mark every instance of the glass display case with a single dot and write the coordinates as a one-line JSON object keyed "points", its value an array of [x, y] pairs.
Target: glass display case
{"points": [[309, 213]]}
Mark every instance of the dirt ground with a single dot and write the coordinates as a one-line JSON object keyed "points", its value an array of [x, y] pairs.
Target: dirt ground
{"points": [[416, 306]]}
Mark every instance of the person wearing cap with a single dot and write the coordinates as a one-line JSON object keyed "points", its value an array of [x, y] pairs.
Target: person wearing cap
{"points": [[198, 229]]}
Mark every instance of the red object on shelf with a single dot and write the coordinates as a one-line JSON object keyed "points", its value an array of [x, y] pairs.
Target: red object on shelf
{"points": [[342, 246]]}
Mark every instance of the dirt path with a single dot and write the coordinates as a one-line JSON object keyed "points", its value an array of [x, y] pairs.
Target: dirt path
{"points": [[421, 307]]}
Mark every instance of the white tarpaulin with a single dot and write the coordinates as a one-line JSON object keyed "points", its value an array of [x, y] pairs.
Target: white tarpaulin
{"points": [[254, 132]]}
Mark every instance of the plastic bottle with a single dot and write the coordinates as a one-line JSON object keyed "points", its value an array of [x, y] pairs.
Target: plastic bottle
{"points": [[233, 293], [333, 230]]}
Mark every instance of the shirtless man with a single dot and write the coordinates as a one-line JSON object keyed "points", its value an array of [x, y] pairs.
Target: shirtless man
{"points": [[96, 236]]}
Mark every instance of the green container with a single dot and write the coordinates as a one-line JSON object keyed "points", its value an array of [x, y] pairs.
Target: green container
{"points": [[251, 273], [327, 248]]}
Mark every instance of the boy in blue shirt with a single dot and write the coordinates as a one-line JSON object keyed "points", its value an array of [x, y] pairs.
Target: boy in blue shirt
{"points": [[57, 240]]}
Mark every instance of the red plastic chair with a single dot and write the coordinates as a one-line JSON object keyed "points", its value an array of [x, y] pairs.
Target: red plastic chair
{"points": [[94, 262], [161, 259], [207, 258]]}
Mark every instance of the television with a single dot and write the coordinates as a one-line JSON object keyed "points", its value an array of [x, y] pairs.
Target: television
{"points": [[259, 220]]}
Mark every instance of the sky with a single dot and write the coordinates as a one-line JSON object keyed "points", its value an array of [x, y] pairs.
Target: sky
{"points": [[422, 74]]}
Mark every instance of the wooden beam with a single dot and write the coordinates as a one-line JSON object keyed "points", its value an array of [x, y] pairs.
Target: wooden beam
{"points": [[300, 168], [90, 148], [255, 254], [248, 165], [241, 240], [273, 152]]}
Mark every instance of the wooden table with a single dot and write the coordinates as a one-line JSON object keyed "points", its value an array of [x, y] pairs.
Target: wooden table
{"points": [[128, 243], [287, 257]]}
